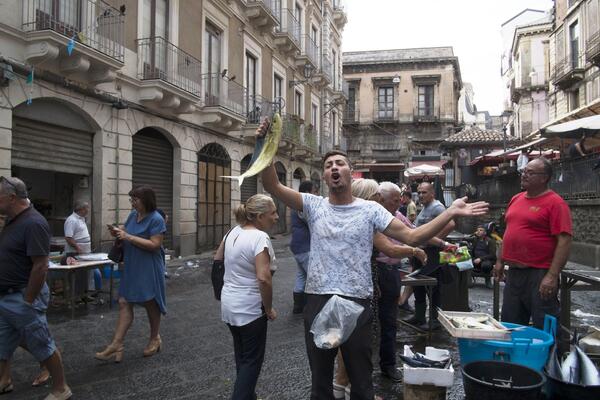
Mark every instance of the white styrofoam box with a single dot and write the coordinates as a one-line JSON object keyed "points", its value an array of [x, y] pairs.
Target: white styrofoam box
{"points": [[428, 376]]}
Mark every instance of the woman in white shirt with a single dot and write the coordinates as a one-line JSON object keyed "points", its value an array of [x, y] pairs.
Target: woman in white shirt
{"points": [[246, 299]]}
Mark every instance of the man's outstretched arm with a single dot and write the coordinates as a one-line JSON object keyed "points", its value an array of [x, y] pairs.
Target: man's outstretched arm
{"points": [[272, 185], [422, 234]]}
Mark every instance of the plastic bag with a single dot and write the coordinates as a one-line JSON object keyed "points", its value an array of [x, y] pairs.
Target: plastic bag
{"points": [[465, 265], [335, 322], [461, 254]]}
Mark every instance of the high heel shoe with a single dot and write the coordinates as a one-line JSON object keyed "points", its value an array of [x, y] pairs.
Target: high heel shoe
{"points": [[153, 347], [111, 351]]}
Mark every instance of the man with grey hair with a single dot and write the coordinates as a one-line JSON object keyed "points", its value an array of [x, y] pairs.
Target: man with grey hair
{"points": [[78, 241], [24, 249]]}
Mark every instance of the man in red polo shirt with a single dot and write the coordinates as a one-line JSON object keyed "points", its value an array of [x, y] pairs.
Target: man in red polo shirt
{"points": [[536, 247]]}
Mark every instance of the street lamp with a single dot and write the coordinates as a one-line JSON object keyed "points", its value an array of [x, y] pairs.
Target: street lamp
{"points": [[307, 72]]}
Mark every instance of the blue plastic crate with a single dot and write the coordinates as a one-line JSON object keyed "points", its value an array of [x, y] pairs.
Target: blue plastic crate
{"points": [[529, 346]]}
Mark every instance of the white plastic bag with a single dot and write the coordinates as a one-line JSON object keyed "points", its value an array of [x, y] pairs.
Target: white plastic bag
{"points": [[335, 322]]}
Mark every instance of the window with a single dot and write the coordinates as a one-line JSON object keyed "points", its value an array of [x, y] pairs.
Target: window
{"points": [[425, 101], [278, 92], [334, 127], [298, 103], [592, 13], [155, 25], [335, 76], [385, 102], [212, 60], [314, 117], [351, 103], [252, 108], [574, 100], [574, 44], [66, 12], [298, 16]]}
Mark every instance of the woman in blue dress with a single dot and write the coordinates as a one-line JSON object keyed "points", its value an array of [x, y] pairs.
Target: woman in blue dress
{"points": [[143, 275]]}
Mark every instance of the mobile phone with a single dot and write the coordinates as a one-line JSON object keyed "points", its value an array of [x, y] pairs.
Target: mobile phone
{"points": [[110, 227]]}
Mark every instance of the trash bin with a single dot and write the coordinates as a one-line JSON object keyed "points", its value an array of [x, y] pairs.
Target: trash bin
{"points": [[454, 295]]}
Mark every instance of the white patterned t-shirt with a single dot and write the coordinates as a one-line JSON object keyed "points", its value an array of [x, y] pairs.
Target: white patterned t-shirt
{"points": [[341, 243]]}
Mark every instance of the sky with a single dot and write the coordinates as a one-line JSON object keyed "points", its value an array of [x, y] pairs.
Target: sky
{"points": [[471, 27]]}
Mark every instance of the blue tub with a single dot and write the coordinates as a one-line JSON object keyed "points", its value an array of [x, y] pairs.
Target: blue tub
{"points": [[529, 347]]}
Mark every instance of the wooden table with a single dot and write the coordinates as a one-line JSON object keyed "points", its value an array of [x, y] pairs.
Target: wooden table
{"points": [[573, 280], [82, 266], [428, 282]]}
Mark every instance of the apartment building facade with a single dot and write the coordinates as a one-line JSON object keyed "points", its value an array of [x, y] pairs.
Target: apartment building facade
{"points": [[101, 96], [529, 76], [401, 105]]}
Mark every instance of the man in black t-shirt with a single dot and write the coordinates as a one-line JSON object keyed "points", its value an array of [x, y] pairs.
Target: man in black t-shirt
{"points": [[24, 249]]}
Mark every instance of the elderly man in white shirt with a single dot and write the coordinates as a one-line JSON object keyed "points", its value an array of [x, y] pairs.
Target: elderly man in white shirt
{"points": [[78, 240]]}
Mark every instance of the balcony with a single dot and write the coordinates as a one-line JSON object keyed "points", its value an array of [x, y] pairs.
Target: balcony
{"points": [[92, 30], [287, 33], [309, 52], [351, 115], [170, 77], [224, 103], [263, 14], [592, 46], [324, 75], [568, 71], [385, 113], [426, 115], [339, 16]]}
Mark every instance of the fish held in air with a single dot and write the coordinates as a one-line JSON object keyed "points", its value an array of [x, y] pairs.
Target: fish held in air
{"points": [[267, 152]]}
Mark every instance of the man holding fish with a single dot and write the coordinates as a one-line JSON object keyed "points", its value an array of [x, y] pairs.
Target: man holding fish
{"points": [[342, 229], [536, 247]]}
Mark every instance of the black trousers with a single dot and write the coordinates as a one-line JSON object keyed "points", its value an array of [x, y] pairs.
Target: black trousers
{"points": [[249, 343], [356, 352], [522, 300], [389, 285]]}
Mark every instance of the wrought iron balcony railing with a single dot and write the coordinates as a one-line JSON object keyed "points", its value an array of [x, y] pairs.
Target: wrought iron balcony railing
{"points": [[351, 114], [568, 69], [161, 60], [272, 5], [311, 49], [385, 113], [91, 23], [428, 114], [289, 24], [327, 68]]}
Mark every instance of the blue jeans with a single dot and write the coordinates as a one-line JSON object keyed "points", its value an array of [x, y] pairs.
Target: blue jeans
{"points": [[302, 261], [22, 322]]}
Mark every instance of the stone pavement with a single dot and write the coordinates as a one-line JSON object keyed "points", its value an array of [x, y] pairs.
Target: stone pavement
{"points": [[197, 359]]}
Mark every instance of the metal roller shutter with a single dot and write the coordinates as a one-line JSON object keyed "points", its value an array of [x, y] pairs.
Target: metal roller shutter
{"points": [[49, 147], [153, 166], [249, 187]]}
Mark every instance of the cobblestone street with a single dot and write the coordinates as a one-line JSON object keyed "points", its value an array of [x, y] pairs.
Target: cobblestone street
{"points": [[197, 359]]}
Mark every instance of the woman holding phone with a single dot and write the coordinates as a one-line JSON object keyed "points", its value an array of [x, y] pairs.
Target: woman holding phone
{"points": [[143, 276]]}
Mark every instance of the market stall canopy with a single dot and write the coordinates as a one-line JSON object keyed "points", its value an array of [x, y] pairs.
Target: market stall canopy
{"points": [[574, 129], [424, 170], [533, 143], [498, 156]]}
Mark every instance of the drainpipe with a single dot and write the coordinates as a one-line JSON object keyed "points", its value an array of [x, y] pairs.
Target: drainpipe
{"points": [[117, 164]]}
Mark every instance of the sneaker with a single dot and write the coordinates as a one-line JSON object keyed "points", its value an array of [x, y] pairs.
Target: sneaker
{"points": [[339, 391], [64, 395], [391, 373]]}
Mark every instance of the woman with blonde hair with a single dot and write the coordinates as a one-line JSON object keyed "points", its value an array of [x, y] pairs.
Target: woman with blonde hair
{"points": [[368, 189], [247, 295]]}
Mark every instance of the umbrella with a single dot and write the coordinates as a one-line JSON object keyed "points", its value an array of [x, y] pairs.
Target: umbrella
{"points": [[424, 169]]}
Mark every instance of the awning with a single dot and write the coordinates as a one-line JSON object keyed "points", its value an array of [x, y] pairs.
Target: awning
{"points": [[574, 129], [519, 148], [498, 156], [379, 167]]}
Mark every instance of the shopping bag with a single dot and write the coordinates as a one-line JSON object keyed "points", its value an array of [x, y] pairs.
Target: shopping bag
{"points": [[334, 324], [460, 254]]}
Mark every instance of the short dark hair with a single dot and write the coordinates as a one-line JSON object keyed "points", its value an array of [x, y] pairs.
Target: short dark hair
{"points": [[146, 195], [306, 187], [407, 193], [335, 153]]}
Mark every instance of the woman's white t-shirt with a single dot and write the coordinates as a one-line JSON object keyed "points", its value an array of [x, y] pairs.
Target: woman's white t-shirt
{"points": [[240, 299]]}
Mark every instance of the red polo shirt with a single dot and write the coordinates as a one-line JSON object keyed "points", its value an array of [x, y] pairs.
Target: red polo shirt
{"points": [[532, 225]]}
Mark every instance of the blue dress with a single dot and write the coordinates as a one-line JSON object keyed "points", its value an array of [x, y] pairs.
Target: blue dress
{"points": [[143, 276]]}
